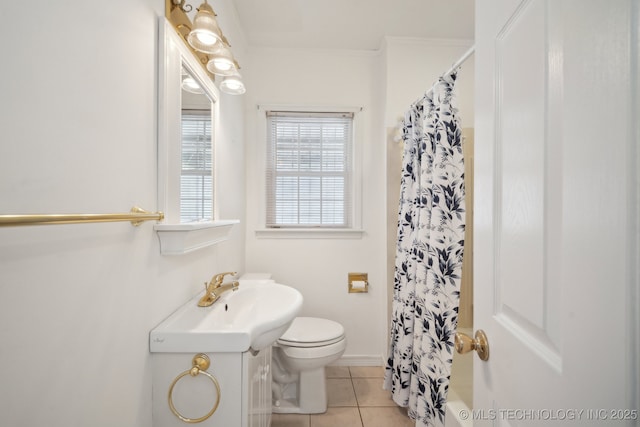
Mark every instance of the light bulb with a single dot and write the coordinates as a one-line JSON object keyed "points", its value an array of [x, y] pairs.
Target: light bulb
{"points": [[233, 84], [206, 38], [222, 64]]}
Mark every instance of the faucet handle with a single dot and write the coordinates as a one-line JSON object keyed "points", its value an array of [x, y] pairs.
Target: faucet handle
{"points": [[219, 278]]}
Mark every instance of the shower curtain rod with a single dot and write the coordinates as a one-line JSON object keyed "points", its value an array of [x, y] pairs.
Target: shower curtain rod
{"points": [[463, 58], [455, 65]]}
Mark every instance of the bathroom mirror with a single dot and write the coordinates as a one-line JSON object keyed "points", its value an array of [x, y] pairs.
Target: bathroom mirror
{"points": [[188, 103], [196, 175]]}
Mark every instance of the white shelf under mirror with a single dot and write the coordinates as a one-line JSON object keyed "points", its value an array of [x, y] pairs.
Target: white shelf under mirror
{"points": [[178, 239]]}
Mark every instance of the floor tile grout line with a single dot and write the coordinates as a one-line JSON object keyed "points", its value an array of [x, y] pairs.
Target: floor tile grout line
{"points": [[360, 415], [353, 386]]}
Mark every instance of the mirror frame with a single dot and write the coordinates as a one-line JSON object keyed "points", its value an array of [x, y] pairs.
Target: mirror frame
{"points": [[173, 54]]}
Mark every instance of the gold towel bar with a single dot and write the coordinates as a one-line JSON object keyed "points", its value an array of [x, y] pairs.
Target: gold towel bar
{"points": [[136, 216]]}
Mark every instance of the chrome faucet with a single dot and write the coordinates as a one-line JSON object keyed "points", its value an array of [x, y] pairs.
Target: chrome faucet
{"points": [[215, 288]]}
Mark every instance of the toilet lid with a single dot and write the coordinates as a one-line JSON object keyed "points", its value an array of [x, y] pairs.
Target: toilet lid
{"points": [[305, 331]]}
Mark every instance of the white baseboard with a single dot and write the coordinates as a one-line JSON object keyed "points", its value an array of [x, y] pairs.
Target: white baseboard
{"points": [[359, 360]]}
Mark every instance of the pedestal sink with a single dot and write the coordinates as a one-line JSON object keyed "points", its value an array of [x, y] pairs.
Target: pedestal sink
{"points": [[250, 318]]}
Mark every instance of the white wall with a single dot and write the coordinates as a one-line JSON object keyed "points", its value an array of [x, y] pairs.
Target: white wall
{"points": [[319, 267], [78, 134]]}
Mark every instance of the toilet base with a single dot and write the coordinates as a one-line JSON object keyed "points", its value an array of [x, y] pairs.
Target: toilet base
{"points": [[307, 395]]}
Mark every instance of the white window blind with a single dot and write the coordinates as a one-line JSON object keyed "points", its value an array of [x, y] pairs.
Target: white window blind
{"points": [[309, 169], [196, 179]]}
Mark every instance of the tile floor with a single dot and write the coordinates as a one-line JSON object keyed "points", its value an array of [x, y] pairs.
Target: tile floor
{"points": [[356, 399]]}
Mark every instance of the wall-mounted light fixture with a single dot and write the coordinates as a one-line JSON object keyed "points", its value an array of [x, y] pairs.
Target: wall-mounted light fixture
{"points": [[222, 62], [233, 84], [205, 39], [205, 34]]}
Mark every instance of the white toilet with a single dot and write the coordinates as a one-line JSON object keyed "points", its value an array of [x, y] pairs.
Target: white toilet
{"points": [[299, 359]]}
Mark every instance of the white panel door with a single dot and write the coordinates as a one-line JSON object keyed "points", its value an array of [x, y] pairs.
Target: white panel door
{"points": [[556, 222]]}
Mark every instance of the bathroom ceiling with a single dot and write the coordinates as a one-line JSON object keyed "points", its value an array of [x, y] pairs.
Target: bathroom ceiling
{"points": [[352, 24]]}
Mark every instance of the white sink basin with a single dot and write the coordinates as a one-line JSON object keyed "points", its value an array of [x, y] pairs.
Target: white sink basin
{"points": [[252, 317]]}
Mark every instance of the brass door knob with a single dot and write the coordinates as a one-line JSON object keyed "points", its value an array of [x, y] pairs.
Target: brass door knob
{"points": [[464, 344]]}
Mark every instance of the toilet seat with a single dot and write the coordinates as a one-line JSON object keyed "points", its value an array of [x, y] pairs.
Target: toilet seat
{"points": [[299, 360], [307, 332], [318, 352]]}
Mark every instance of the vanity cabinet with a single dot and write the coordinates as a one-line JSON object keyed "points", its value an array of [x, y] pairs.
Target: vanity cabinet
{"points": [[245, 389]]}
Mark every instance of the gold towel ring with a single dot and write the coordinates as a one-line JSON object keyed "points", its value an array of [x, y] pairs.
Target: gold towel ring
{"points": [[200, 365]]}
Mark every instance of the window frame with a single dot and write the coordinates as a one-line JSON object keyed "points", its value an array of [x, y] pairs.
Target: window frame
{"points": [[354, 227]]}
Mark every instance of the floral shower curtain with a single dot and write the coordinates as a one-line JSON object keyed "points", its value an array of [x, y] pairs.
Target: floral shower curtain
{"points": [[428, 265]]}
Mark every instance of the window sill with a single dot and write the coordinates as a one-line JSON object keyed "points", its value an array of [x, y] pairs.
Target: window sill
{"points": [[309, 233], [178, 239]]}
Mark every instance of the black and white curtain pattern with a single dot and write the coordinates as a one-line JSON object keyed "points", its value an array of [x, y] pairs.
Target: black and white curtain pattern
{"points": [[428, 265]]}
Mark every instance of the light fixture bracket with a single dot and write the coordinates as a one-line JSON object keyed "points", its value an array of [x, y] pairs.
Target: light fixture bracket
{"points": [[182, 4]]}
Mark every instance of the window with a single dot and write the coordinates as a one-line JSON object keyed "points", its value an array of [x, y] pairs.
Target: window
{"points": [[196, 178], [309, 169]]}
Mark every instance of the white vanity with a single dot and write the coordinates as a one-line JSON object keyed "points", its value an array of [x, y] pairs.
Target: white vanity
{"points": [[235, 334], [245, 389]]}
